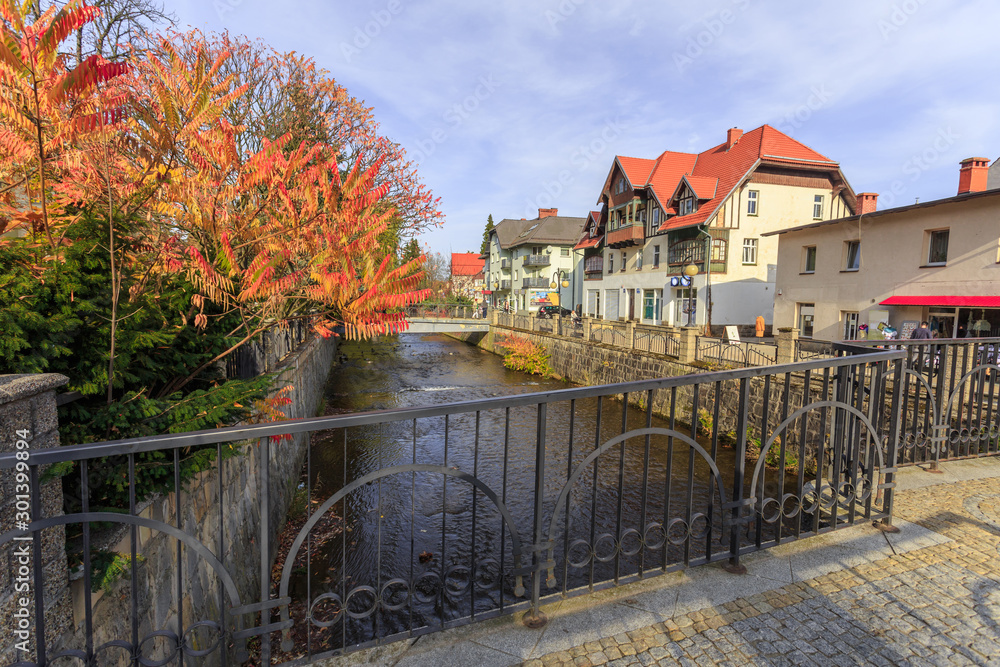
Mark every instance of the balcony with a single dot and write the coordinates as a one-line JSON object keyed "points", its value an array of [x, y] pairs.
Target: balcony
{"points": [[593, 265], [537, 260], [535, 283], [505, 284], [626, 236], [505, 264]]}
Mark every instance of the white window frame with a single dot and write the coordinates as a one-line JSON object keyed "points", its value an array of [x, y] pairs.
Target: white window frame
{"points": [[753, 196], [818, 202], [930, 246], [656, 256], [750, 244], [564, 252], [805, 258], [847, 256]]}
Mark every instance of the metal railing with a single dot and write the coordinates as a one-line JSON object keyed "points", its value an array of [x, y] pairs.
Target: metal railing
{"points": [[950, 398], [462, 512], [807, 349], [735, 353], [610, 334], [535, 283], [265, 353], [444, 310], [537, 260], [656, 341]]}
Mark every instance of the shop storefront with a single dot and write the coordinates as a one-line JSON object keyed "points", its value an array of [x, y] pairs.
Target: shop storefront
{"points": [[949, 316]]}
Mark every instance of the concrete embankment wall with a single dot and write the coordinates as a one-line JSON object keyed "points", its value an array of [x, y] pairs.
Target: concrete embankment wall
{"points": [[230, 518]]}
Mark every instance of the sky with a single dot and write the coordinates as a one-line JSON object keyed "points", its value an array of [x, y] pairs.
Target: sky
{"points": [[514, 105]]}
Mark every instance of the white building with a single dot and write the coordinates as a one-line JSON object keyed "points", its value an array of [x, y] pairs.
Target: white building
{"points": [[532, 263], [660, 215]]}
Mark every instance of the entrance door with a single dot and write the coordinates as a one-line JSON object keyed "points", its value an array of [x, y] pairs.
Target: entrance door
{"points": [[942, 326], [631, 304]]}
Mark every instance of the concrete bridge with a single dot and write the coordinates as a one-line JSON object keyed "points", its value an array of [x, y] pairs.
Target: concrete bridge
{"points": [[446, 325]]}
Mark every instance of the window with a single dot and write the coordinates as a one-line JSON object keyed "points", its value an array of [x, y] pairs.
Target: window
{"points": [[937, 247], [850, 325], [749, 251], [686, 205], [638, 261], [718, 250], [809, 259], [852, 251], [685, 305], [656, 256], [818, 207], [752, 203], [536, 250], [807, 318], [611, 262], [564, 252], [624, 259], [656, 215]]}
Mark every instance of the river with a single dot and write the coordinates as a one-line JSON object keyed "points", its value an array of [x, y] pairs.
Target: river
{"points": [[436, 551]]}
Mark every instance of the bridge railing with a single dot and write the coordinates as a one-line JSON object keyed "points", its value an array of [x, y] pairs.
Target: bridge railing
{"points": [[418, 519], [444, 310]]}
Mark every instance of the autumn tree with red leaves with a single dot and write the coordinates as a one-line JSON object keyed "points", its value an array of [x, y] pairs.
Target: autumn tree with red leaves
{"points": [[155, 225]]}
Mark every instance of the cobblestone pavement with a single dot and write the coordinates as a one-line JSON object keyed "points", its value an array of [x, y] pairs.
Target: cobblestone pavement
{"points": [[939, 605]]}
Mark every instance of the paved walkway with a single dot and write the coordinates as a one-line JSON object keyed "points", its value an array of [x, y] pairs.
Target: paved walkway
{"points": [[927, 596]]}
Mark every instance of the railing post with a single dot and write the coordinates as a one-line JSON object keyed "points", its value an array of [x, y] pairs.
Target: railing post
{"points": [[28, 412], [786, 341], [736, 516], [689, 345], [587, 323], [630, 334], [534, 618], [893, 453]]}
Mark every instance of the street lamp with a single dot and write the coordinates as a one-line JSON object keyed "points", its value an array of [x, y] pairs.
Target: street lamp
{"points": [[691, 270], [559, 279]]}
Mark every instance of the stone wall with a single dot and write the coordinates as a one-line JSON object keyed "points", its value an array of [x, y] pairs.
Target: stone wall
{"points": [[232, 521], [28, 422], [589, 363]]}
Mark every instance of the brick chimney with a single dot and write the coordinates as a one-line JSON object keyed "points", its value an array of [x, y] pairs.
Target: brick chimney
{"points": [[732, 137], [972, 176], [867, 202], [547, 212]]}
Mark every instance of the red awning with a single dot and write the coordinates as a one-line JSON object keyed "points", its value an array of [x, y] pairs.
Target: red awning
{"points": [[948, 301]]}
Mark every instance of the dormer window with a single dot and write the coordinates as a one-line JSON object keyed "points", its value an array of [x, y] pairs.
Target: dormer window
{"points": [[686, 204]]}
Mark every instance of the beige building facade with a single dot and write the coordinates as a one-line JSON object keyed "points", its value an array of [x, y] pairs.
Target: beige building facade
{"points": [[937, 261]]}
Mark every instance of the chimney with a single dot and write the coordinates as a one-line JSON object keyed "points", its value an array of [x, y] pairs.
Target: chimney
{"points": [[972, 175], [867, 202], [547, 212], [733, 136]]}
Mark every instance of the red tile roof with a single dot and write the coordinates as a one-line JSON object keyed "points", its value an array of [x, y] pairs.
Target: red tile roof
{"points": [[593, 221], [589, 243], [466, 264], [713, 174]]}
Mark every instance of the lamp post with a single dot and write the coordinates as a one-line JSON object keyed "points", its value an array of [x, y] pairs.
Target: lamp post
{"points": [[558, 282], [691, 270]]}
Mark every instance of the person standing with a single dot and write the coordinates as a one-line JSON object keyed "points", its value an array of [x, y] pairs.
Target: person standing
{"points": [[921, 333], [759, 326]]}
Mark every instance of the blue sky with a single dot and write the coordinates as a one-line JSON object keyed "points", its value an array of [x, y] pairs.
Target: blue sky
{"points": [[514, 105]]}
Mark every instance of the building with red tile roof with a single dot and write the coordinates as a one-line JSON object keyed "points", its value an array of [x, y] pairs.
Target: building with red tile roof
{"points": [[709, 209], [467, 274]]}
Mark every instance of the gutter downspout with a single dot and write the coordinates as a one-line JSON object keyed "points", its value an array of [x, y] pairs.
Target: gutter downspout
{"points": [[708, 279]]}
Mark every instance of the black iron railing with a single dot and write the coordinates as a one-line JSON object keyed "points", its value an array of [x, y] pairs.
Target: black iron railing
{"points": [[734, 353], [457, 513], [950, 398]]}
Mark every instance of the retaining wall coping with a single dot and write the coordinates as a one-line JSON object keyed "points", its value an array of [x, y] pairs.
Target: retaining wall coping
{"points": [[14, 387]]}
